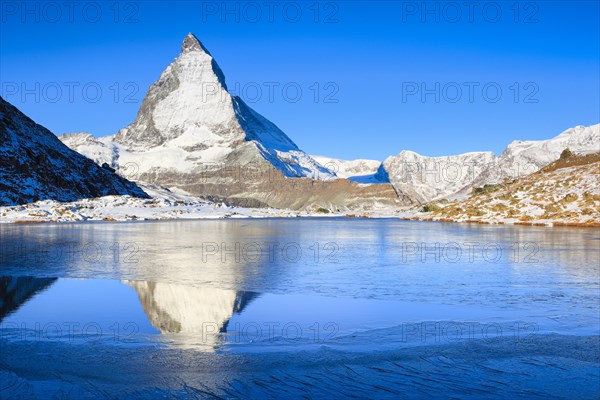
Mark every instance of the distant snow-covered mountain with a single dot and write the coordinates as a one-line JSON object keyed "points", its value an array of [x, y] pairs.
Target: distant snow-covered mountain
{"points": [[35, 165], [420, 178], [100, 150], [565, 192], [361, 171], [425, 179], [521, 158]]}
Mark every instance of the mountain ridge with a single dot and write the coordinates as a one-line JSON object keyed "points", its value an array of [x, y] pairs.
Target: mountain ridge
{"points": [[432, 178], [190, 133], [36, 165]]}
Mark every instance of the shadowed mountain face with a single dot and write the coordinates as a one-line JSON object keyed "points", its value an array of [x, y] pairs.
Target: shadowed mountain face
{"points": [[15, 291], [35, 165]]}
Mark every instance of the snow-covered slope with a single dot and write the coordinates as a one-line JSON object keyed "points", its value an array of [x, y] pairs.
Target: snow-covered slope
{"points": [[429, 178], [188, 122], [525, 157], [192, 134], [35, 165], [426, 178], [100, 150], [361, 171], [564, 192]]}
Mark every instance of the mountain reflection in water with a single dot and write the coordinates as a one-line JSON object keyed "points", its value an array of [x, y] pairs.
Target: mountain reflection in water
{"points": [[188, 316], [189, 310], [15, 291]]}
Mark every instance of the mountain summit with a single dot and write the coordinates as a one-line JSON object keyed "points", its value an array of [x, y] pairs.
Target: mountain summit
{"points": [[192, 134], [189, 116], [191, 43]]}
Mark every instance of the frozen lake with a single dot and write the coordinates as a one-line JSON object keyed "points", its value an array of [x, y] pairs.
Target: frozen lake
{"points": [[316, 308]]}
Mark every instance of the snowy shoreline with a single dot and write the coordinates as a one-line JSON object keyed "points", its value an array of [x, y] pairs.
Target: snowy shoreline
{"points": [[129, 209], [164, 206]]}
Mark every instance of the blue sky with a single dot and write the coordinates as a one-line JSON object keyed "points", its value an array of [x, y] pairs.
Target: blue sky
{"points": [[391, 75]]}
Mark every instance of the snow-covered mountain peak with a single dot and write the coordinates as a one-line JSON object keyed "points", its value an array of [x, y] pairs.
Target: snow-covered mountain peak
{"points": [[428, 178], [189, 103], [199, 53], [577, 130], [191, 133], [191, 43], [77, 138], [580, 139], [409, 153], [361, 170]]}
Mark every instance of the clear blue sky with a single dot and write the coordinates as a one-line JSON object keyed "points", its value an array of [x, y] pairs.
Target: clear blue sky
{"points": [[369, 56]]}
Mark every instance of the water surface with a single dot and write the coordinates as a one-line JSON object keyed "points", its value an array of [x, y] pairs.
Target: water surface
{"points": [[215, 308]]}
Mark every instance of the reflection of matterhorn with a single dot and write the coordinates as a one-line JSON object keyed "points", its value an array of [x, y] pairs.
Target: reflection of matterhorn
{"points": [[16, 291], [180, 309]]}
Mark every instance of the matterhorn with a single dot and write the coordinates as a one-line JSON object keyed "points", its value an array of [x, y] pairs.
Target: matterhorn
{"points": [[191, 134]]}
